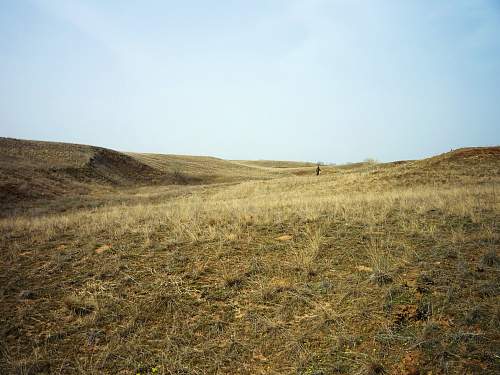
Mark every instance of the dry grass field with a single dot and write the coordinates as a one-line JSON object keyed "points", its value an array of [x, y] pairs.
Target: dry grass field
{"points": [[206, 170], [275, 163], [376, 269]]}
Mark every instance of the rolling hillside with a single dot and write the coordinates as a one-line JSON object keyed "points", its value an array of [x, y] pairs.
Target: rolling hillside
{"points": [[276, 163], [34, 169], [31, 170], [204, 169], [367, 269]]}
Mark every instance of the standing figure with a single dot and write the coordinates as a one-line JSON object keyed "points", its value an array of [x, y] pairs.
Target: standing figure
{"points": [[318, 169]]}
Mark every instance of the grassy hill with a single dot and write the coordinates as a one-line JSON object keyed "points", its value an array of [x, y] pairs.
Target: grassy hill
{"points": [[369, 269], [276, 163], [205, 169], [34, 170]]}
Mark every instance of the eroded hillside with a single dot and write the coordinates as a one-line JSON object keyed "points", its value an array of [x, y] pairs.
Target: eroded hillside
{"points": [[32, 171]]}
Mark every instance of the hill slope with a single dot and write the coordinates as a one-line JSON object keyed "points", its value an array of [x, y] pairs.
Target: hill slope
{"points": [[31, 170], [34, 169], [472, 164], [205, 169], [275, 163]]}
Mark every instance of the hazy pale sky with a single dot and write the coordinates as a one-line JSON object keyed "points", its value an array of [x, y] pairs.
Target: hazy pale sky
{"points": [[316, 80]]}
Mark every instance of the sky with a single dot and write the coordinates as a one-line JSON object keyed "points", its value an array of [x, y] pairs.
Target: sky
{"points": [[313, 80]]}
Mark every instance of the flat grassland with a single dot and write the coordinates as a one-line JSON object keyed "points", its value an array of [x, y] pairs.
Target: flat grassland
{"points": [[241, 268]]}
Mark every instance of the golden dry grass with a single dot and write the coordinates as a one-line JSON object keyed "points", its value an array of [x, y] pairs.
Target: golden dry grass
{"points": [[205, 169], [377, 269], [275, 163]]}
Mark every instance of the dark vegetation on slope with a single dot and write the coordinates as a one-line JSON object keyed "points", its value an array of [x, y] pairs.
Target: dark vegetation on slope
{"points": [[33, 169]]}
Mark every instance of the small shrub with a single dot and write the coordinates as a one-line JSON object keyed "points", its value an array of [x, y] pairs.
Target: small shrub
{"points": [[79, 305], [490, 259], [375, 368]]}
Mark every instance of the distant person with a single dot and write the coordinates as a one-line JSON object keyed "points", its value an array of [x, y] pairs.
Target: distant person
{"points": [[318, 169]]}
